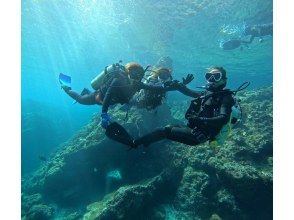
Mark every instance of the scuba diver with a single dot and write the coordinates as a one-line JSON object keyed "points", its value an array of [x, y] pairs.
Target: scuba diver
{"points": [[158, 75], [208, 114], [151, 99], [253, 31], [116, 84], [232, 44], [161, 74], [260, 31]]}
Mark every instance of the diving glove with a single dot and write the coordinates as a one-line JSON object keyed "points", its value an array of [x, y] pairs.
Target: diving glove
{"points": [[105, 120], [189, 78], [172, 85]]}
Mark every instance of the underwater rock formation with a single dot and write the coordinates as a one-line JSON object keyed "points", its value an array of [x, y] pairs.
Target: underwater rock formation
{"points": [[133, 202], [36, 118], [164, 181]]}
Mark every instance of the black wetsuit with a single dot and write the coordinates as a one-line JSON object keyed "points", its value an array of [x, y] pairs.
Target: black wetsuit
{"points": [[252, 31], [258, 31], [118, 90], [149, 99], [212, 111]]}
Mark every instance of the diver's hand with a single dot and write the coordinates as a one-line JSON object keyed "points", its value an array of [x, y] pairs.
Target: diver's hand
{"points": [[65, 88], [189, 78], [105, 120], [172, 85]]}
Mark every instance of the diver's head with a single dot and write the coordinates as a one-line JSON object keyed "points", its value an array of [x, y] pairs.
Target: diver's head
{"points": [[216, 78], [162, 74], [135, 71]]}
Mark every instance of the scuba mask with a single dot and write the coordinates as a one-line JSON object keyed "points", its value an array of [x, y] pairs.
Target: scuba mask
{"points": [[213, 77], [164, 77], [215, 81]]}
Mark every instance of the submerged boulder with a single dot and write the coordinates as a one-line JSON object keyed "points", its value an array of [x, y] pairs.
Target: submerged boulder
{"points": [[131, 202], [232, 181], [39, 212]]}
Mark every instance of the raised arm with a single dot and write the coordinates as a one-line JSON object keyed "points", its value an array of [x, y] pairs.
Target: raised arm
{"points": [[88, 99], [188, 92], [105, 118], [155, 88]]}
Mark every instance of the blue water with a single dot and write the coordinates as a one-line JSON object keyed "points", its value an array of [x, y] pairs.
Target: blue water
{"points": [[80, 38]]}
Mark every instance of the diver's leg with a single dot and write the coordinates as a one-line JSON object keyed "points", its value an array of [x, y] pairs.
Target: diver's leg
{"points": [[117, 132], [185, 135], [157, 135], [181, 134]]}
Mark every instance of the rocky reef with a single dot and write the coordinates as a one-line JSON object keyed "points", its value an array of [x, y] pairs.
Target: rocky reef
{"points": [[167, 180]]}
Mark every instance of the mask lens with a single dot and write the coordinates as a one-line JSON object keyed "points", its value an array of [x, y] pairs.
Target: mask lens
{"points": [[218, 76], [207, 76], [213, 77], [164, 76]]}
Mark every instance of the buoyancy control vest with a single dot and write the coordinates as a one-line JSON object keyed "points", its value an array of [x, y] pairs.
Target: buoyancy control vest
{"points": [[199, 108], [150, 99]]}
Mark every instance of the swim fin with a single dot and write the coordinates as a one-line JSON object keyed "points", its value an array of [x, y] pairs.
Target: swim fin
{"points": [[117, 132], [84, 92], [65, 80]]}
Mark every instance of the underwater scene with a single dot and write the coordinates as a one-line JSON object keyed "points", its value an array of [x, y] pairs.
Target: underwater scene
{"points": [[144, 109]]}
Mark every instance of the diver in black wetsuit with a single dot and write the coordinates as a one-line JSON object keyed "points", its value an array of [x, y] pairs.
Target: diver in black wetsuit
{"points": [[206, 115], [254, 31], [117, 89], [160, 73], [148, 99], [260, 31]]}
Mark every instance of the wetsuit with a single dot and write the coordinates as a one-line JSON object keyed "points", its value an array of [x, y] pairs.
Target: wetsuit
{"points": [[118, 90], [149, 99], [259, 31], [88, 99], [206, 116]]}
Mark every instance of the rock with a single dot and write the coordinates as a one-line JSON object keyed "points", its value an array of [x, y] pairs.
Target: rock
{"points": [[232, 181], [27, 201], [215, 217], [190, 195], [40, 212], [74, 216], [131, 202], [226, 206]]}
